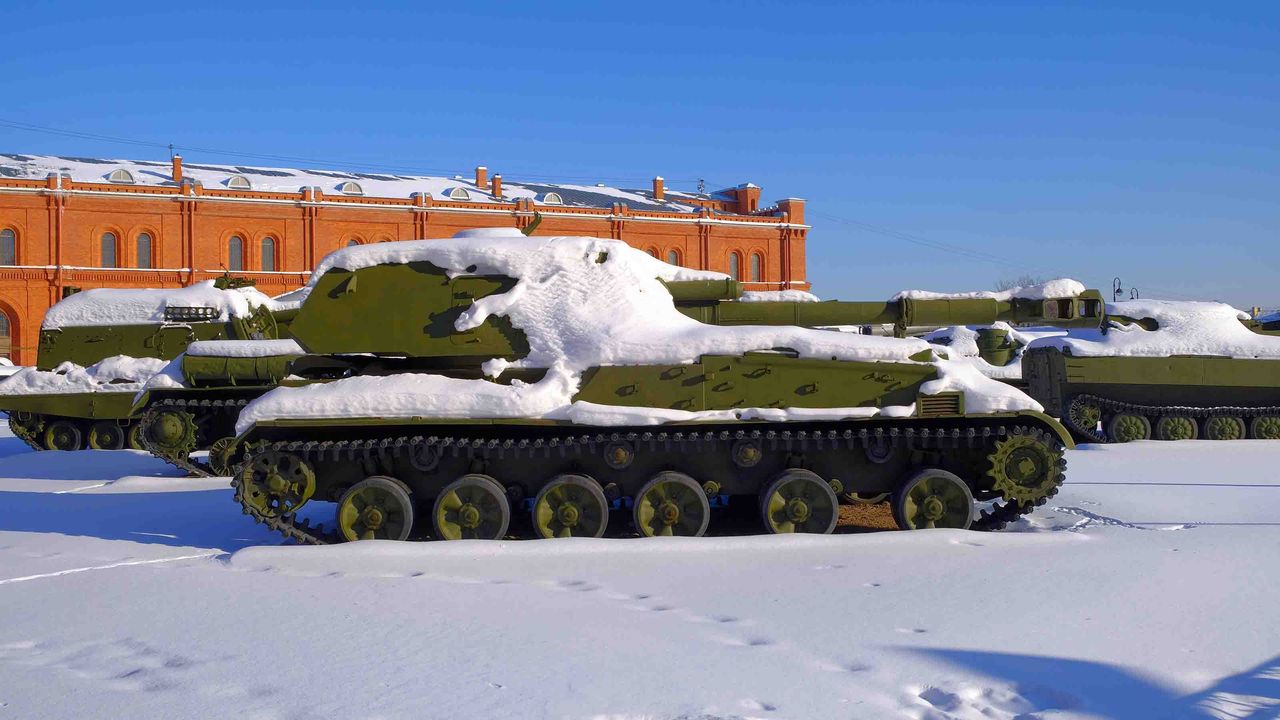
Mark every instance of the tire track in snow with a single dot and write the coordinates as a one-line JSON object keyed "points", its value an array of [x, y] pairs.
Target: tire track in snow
{"points": [[109, 566]]}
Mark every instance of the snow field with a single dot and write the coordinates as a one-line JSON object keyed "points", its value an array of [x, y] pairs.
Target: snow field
{"points": [[1143, 590]]}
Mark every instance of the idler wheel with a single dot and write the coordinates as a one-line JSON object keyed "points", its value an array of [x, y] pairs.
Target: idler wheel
{"points": [[1173, 427], [671, 503], [62, 435], [933, 498], [222, 456], [1225, 427], [473, 507], [1127, 427], [376, 508], [277, 483], [570, 506], [1265, 427], [106, 435], [799, 501]]}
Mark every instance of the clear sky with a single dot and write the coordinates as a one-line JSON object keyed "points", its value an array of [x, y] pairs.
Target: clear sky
{"points": [[944, 146]]}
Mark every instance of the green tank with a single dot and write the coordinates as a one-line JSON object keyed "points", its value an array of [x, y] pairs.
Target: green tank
{"points": [[201, 413], [1222, 384], [62, 405], [444, 391]]}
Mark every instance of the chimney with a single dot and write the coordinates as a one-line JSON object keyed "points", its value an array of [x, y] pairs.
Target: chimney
{"points": [[793, 208], [659, 192], [482, 176], [496, 191], [748, 197], [177, 169]]}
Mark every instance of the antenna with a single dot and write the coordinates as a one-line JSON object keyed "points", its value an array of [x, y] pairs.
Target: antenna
{"points": [[702, 186], [170, 151]]}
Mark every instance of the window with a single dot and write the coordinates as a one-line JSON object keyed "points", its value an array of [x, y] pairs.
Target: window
{"points": [[120, 176], [757, 264], [735, 266], [235, 253], [8, 247], [673, 257], [144, 250], [6, 335], [239, 182], [268, 254], [350, 188], [552, 199], [107, 250], [352, 242], [652, 252], [458, 194]]}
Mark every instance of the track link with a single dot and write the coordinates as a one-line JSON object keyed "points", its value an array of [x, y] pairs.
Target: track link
{"points": [[181, 459]]}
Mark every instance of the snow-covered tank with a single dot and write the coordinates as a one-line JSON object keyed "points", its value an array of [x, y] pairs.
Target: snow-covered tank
{"points": [[98, 347], [1163, 370], [470, 378]]}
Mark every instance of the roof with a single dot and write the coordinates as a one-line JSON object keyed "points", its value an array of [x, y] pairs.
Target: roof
{"points": [[385, 185]]}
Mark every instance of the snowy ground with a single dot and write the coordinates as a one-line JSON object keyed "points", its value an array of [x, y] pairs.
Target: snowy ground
{"points": [[1149, 591]]}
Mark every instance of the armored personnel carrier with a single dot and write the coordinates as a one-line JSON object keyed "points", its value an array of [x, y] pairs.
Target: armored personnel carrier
{"points": [[469, 378], [98, 347], [1163, 370]]}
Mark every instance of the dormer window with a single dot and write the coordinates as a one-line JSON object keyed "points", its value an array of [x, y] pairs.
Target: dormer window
{"points": [[350, 188], [458, 194], [239, 182], [121, 175], [552, 199]]}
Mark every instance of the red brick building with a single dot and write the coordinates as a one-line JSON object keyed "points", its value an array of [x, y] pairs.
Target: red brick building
{"points": [[84, 223]]}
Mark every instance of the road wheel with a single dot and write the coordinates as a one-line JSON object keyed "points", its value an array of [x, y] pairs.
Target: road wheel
{"points": [[933, 498], [106, 435], [570, 506], [1172, 427], [1127, 427], [376, 508], [1225, 427], [671, 503], [473, 507], [62, 435], [799, 501]]}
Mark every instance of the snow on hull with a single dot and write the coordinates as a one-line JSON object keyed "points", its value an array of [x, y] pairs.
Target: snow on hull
{"points": [[115, 306], [119, 373], [962, 346], [1185, 328], [1060, 288], [582, 303], [244, 348], [778, 296]]}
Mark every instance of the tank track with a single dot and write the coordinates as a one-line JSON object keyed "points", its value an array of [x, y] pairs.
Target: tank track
{"points": [[182, 460], [424, 446], [21, 432], [1071, 419]]}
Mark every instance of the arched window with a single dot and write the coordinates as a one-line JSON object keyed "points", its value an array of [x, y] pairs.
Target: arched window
{"points": [[673, 257], [107, 250], [6, 335], [352, 242], [8, 247], [757, 267], [235, 253], [552, 199], [239, 182], [653, 252], [144, 250], [735, 266], [458, 194], [268, 254], [120, 176], [350, 188]]}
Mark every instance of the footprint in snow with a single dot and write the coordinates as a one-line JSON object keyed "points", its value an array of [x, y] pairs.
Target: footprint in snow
{"points": [[911, 631], [759, 705]]}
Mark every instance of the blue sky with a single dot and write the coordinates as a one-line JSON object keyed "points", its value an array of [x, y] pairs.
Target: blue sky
{"points": [[940, 145]]}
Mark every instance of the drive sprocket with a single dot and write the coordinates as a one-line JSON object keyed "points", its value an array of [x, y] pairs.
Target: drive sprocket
{"points": [[1025, 468]]}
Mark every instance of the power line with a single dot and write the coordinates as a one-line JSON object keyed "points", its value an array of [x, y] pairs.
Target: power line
{"points": [[28, 127]]}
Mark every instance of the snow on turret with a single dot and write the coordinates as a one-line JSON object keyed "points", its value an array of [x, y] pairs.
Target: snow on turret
{"points": [[582, 303], [115, 306]]}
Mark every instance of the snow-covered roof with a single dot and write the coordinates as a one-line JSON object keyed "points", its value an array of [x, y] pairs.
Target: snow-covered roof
{"points": [[120, 306], [562, 284], [118, 373], [335, 182]]}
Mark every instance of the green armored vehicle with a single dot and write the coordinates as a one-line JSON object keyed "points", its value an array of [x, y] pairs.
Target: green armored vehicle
{"points": [[98, 347], [1163, 370], [492, 372]]}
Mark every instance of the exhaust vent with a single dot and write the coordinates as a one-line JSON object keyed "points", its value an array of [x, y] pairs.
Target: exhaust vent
{"points": [[940, 404]]}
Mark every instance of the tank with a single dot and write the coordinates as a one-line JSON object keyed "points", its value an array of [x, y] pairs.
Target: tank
{"points": [[200, 412], [449, 386], [98, 347], [1163, 370]]}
